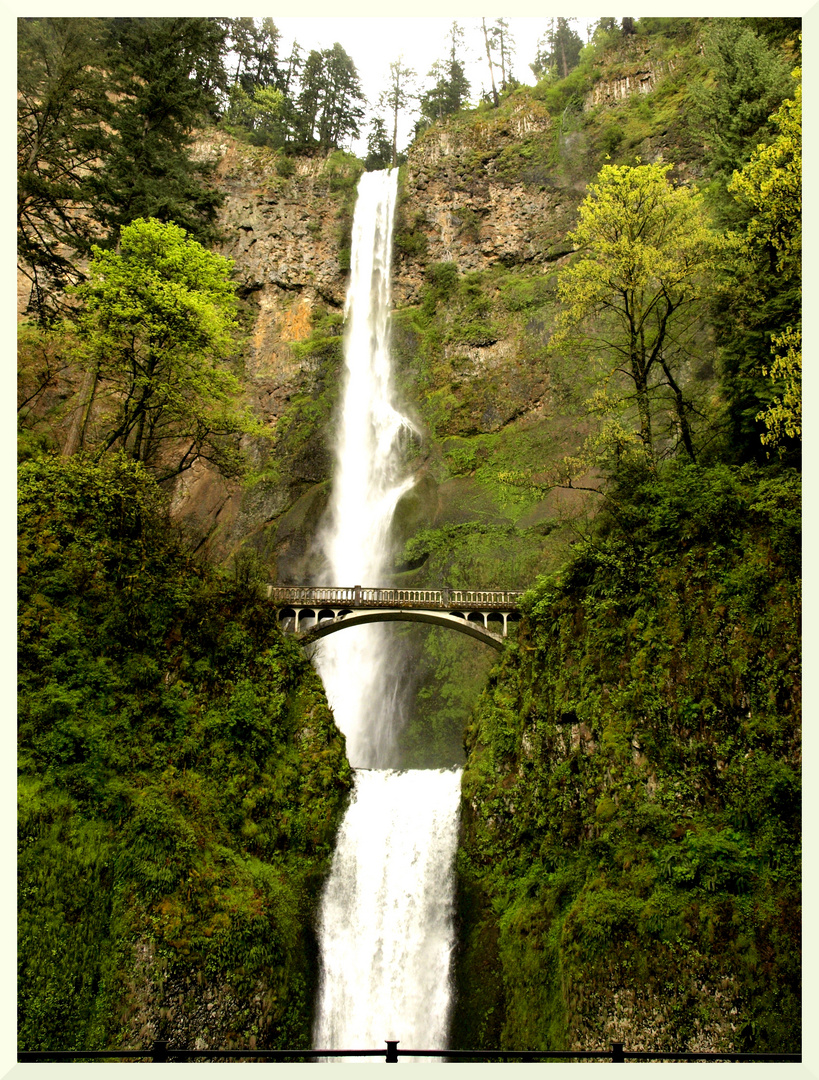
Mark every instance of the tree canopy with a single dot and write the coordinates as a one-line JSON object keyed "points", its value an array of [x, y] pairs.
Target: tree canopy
{"points": [[630, 299], [156, 328], [450, 89], [770, 185], [328, 105], [559, 49], [61, 104]]}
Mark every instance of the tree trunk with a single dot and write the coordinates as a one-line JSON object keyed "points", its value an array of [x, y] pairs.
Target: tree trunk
{"points": [[76, 433], [489, 58], [681, 411], [395, 132]]}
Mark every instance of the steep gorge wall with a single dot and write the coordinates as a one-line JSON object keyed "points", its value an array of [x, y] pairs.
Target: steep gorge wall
{"points": [[486, 201], [491, 193]]}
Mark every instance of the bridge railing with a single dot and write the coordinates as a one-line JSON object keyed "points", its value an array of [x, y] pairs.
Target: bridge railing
{"points": [[444, 599]]}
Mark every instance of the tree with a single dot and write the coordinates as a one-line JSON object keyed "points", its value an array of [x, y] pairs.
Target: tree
{"points": [[379, 147], [750, 80], [770, 187], [504, 44], [558, 50], [495, 98], [451, 86], [163, 85], [327, 108], [255, 46], [631, 299], [61, 102], [260, 114], [156, 326], [397, 97]]}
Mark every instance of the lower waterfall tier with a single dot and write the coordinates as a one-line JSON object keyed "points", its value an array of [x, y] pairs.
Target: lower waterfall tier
{"points": [[386, 926]]}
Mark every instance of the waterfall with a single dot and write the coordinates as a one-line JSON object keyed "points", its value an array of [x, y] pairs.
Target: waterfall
{"points": [[367, 484], [386, 919], [386, 923]]}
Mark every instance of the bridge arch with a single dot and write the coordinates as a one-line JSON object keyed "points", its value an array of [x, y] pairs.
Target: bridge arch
{"points": [[434, 618], [314, 612]]}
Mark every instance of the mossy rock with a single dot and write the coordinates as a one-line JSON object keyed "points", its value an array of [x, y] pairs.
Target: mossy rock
{"points": [[294, 541]]}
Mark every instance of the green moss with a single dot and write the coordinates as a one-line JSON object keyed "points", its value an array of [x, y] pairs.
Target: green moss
{"points": [[181, 777], [631, 791]]}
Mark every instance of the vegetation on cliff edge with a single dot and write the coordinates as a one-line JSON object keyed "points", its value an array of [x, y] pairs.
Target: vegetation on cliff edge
{"points": [[181, 778], [630, 858]]}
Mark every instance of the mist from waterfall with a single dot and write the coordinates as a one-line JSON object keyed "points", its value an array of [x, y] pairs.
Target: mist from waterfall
{"points": [[386, 929]]}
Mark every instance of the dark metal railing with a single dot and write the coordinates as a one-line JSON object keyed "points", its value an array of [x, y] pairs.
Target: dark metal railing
{"points": [[160, 1051]]}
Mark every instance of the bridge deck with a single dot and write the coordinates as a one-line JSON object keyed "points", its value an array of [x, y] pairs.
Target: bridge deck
{"points": [[427, 599]]}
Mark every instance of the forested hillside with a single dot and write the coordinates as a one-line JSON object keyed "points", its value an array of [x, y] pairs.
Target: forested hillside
{"points": [[597, 332]]}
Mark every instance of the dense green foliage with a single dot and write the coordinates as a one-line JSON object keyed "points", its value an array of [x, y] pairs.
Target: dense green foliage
{"points": [[105, 111], [156, 328], [629, 864], [450, 90], [760, 303], [164, 74], [61, 103], [632, 785], [180, 779], [630, 303]]}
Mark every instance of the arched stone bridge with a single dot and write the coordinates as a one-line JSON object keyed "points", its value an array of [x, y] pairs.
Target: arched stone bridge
{"points": [[313, 613]]}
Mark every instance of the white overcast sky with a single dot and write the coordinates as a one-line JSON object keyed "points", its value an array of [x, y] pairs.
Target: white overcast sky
{"points": [[374, 42]]}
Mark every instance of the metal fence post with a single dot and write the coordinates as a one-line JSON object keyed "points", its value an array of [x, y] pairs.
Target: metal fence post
{"points": [[159, 1050], [617, 1052], [392, 1052]]}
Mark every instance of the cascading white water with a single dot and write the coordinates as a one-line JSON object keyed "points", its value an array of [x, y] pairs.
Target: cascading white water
{"points": [[386, 919], [368, 482], [386, 928]]}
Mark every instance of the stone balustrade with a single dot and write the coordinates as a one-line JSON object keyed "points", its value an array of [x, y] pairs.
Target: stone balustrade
{"points": [[360, 597]]}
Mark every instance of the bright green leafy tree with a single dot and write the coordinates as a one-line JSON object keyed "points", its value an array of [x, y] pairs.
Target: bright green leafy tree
{"points": [[771, 185], [631, 300], [758, 306], [157, 327]]}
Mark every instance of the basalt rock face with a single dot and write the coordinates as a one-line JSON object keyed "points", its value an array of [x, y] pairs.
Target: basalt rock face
{"points": [[636, 71], [480, 196], [286, 235], [475, 193]]}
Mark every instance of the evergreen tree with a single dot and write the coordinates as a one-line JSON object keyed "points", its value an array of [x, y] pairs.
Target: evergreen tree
{"points": [[61, 103], [451, 86], [558, 50], [165, 72], [379, 147], [750, 80], [255, 45], [488, 47], [287, 83], [504, 45], [397, 97], [327, 110]]}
